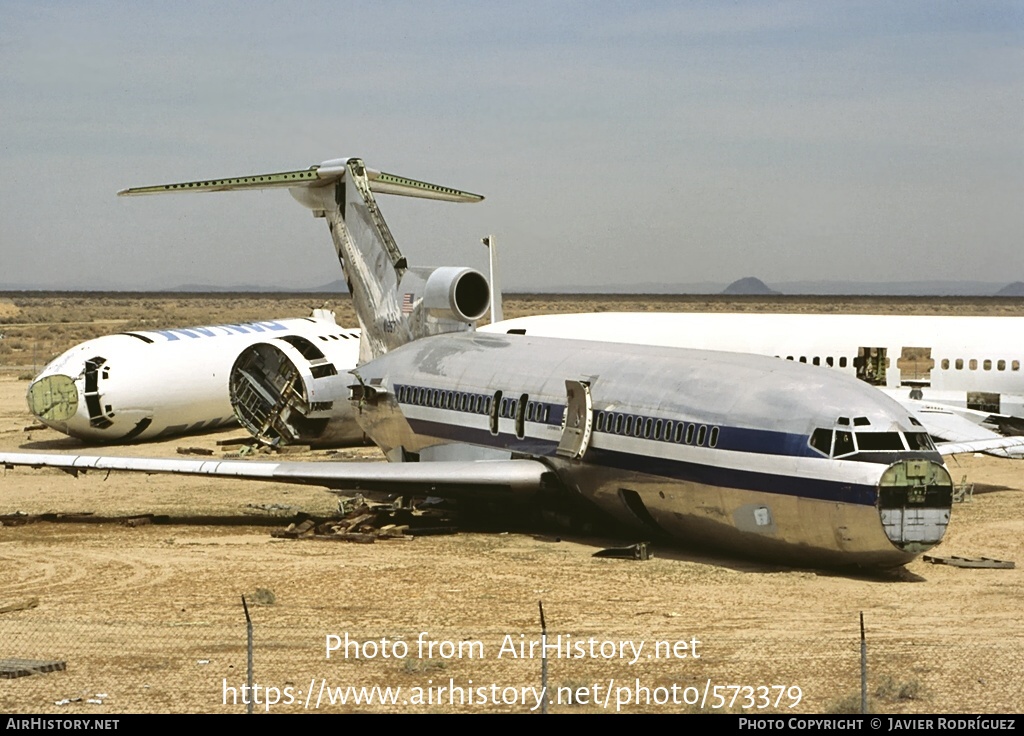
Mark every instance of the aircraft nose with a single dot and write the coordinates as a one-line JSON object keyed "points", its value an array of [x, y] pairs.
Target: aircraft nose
{"points": [[914, 502], [53, 398]]}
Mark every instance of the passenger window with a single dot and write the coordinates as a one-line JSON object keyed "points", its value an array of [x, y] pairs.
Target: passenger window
{"points": [[959, 364], [973, 365], [713, 439], [987, 364], [829, 362], [689, 433], [945, 364], [1015, 365], [816, 361], [701, 434], [1001, 365], [842, 362]]}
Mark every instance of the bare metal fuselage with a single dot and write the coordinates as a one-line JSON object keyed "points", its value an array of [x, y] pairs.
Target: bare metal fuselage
{"points": [[708, 448]]}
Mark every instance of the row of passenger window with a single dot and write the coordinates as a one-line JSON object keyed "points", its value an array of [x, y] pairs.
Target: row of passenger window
{"points": [[972, 364], [958, 363], [472, 403], [662, 430]]}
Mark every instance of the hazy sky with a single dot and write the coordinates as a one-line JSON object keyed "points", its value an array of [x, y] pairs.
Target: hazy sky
{"points": [[616, 143]]}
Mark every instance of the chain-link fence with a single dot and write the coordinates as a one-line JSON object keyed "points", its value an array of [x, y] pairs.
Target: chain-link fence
{"points": [[197, 663]]}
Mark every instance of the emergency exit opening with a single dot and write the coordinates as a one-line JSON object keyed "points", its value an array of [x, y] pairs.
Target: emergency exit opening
{"points": [[870, 365]]}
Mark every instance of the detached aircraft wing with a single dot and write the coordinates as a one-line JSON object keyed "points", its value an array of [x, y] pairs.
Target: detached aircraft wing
{"points": [[497, 479]]}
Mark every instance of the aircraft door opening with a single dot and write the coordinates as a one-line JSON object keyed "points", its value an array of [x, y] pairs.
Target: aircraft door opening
{"points": [[871, 364], [915, 366], [579, 417]]}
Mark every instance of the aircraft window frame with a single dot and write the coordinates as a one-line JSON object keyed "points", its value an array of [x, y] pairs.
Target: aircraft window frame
{"points": [[1000, 365], [944, 364], [821, 436], [986, 364], [837, 436], [658, 426], [713, 437], [803, 358], [842, 361], [702, 434], [690, 430], [669, 427], [922, 439], [679, 432], [973, 364], [648, 427], [816, 360], [619, 422], [789, 357], [959, 363], [628, 425], [830, 361]]}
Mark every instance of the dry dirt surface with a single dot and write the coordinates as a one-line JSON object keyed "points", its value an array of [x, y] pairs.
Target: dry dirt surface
{"points": [[150, 618]]}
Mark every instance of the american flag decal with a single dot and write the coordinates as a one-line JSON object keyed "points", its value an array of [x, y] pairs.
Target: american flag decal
{"points": [[406, 303]]}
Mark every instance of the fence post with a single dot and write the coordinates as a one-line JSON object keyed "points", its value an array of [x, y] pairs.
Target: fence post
{"points": [[863, 668], [248, 647], [543, 660]]}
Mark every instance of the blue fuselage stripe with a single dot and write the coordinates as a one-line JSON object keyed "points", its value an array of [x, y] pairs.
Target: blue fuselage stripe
{"points": [[679, 470]]}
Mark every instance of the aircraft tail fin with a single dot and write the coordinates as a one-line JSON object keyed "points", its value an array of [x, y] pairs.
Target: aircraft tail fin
{"points": [[394, 303]]}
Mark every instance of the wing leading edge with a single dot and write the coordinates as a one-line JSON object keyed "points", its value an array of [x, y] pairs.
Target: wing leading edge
{"points": [[482, 479]]}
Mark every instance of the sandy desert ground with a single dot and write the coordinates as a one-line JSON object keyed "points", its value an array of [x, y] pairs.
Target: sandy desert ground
{"points": [[149, 618]]}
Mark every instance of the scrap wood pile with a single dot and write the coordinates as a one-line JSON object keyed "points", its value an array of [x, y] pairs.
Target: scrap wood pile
{"points": [[365, 522]]}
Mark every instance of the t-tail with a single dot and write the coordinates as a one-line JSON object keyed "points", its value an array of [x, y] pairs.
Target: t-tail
{"points": [[394, 302]]}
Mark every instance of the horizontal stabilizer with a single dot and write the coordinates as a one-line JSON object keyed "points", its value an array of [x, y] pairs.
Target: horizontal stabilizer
{"points": [[315, 176], [482, 479]]}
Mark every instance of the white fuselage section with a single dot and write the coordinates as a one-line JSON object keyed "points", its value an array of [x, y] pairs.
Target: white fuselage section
{"points": [[147, 384], [972, 362]]}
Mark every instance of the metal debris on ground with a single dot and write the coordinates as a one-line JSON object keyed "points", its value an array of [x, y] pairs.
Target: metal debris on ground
{"points": [[363, 521], [11, 668], [194, 451], [638, 551], [956, 561]]}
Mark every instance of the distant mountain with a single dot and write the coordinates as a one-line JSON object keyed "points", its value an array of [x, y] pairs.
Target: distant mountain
{"points": [[748, 285], [1014, 289]]}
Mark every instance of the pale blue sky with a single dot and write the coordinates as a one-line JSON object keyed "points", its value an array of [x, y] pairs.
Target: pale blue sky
{"points": [[616, 143]]}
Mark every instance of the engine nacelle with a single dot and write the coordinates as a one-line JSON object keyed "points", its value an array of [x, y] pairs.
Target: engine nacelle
{"points": [[456, 293]]}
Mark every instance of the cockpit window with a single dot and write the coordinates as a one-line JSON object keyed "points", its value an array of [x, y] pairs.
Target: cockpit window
{"points": [[821, 440], [879, 441], [919, 441], [843, 444]]}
